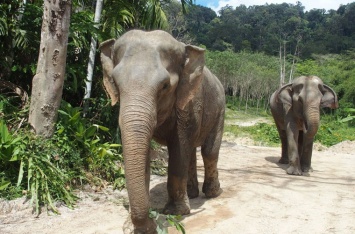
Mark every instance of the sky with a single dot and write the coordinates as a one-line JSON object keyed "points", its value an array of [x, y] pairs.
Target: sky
{"points": [[216, 5]]}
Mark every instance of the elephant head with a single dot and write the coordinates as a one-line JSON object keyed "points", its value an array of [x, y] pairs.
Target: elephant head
{"points": [[305, 96], [150, 74]]}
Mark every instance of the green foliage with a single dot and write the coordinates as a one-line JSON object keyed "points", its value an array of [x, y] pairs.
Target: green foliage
{"points": [[20, 26], [251, 77], [350, 117], [47, 170], [165, 221], [332, 131], [46, 182], [337, 71], [262, 133], [11, 148], [25, 157], [265, 133], [9, 145], [261, 28], [158, 167], [101, 159]]}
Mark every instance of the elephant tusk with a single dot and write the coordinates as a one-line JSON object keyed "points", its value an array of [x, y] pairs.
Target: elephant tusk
{"points": [[305, 128]]}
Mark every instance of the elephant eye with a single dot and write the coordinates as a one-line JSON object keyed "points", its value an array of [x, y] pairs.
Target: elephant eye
{"points": [[166, 85]]}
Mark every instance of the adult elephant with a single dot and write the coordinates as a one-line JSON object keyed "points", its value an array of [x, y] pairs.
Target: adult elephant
{"points": [[296, 110], [165, 93]]}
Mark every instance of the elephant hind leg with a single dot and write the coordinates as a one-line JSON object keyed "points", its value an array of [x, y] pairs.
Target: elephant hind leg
{"points": [[178, 201], [210, 152], [211, 186], [300, 144], [177, 207], [192, 182], [284, 155]]}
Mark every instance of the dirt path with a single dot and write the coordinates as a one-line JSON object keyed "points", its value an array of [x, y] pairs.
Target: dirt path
{"points": [[258, 197]]}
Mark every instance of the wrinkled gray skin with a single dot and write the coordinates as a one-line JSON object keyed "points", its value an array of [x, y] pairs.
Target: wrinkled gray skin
{"points": [[296, 110], [165, 93]]}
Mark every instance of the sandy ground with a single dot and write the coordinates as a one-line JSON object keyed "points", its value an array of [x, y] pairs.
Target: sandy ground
{"points": [[258, 197]]}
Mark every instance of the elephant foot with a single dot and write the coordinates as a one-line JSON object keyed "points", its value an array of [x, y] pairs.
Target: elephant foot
{"points": [[292, 170], [148, 228], [177, 208], [192, 191], [284, 160], [307, 168], [211, 188]]}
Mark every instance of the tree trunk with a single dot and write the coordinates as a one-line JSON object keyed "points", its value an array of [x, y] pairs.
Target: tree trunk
{"points": [[47, 84], [284, 65], [280, 58], [294, 59], [93, 44]]}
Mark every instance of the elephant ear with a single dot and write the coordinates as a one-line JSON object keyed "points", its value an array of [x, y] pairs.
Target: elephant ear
{"points": [[284, 95], [329, 98], [192, 75], [106, 48]]}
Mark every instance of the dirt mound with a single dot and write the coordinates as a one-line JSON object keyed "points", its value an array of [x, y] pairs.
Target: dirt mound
{"points": [[346, 147]]}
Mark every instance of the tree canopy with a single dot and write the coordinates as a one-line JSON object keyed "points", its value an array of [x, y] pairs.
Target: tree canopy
{"points": [[261, 28]]}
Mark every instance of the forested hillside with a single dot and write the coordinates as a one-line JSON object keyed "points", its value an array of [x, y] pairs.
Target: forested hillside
{"points": [[266, 27], [252, 48], [286, 41]]}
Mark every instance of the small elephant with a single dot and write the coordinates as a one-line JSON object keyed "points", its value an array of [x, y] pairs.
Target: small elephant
{"points": [[296, 111], [166, 93]]}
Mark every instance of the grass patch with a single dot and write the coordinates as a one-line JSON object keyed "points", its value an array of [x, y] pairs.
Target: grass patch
{"points": [[331, 131], [251, 113]]}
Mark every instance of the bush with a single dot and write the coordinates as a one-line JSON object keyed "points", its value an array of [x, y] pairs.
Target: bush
{"points": [[332, 131], [47, 170], [265, 133], [101, 159]]}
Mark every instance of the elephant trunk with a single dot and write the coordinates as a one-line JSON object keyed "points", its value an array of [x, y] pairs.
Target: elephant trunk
{"points": [[311, 123], [137, 123]]}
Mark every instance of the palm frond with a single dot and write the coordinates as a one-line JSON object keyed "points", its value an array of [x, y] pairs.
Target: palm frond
{"points": [[153, 16], [21, 39], [116, 16], [3, 26], [185, 4]]}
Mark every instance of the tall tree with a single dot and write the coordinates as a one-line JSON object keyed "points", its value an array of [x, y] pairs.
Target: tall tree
{"points": [[48, 82], [93, 45], [47, 86], [137, 14]]}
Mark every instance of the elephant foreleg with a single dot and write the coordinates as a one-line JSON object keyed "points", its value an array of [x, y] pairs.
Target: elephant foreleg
{"points": [[179, 158], [307, 154], [292, 147]]}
